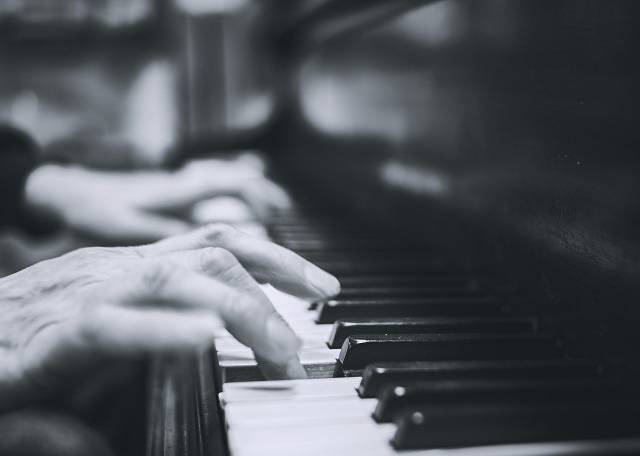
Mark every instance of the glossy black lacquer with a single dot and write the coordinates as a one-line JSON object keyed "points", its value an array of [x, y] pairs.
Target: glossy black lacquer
{"points": [[359, 351], [505, 130], [444, 427], [342, 329], [394, 399], [336, 309], [377, 376]]}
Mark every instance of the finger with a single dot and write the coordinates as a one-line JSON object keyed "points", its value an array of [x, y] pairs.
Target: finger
{"points": [[264, 196], [197, 181], [123, 331], [252, 160], [217, 263], [138, 226], [222, 209], [277, 194], [266, 261], [250, 318], [204, 179]]}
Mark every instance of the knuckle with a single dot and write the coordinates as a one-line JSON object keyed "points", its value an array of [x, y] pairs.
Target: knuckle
{"points": [[157, 275], [217, 256], [219, 234], [89, 329], [139, 251], [245, 309]]}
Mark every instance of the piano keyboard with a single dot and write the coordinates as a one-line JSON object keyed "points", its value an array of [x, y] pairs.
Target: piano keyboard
{"points": [[419, 355]]}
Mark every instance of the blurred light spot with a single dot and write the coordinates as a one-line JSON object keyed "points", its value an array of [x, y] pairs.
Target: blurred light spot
{"points": [[150, 119], [417, 418], [253, 111], [352, 104], [434, 24], [413, 178], [221, 209], [25, 109], [123, 12], [113, 13], [209, 6]]}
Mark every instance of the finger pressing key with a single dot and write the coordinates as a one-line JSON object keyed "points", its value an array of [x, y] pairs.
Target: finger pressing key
{"points": [[266, 261]]}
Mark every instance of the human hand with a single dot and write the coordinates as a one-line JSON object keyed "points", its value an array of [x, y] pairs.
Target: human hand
{"points": [[63, 318], [143, 206]]}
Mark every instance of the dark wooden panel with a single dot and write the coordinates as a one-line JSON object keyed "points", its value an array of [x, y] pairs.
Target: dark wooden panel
{"points": [[184, 416]]}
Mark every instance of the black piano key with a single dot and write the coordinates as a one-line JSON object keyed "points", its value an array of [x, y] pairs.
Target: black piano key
{"points": [[322, 235], [409, 280], [340, 309], [400, 292], [310, 224], [393, 399], [320, 245], [377, 376], [346, 245], [342, 329], [358, 263], [468, 426], [346, 268], [359, 351], [406, 291]]}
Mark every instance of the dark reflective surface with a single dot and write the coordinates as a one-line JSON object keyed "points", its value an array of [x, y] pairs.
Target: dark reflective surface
{"points": [[506, 130]]}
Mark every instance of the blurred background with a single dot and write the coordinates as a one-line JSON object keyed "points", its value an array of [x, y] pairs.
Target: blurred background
{"points": [[122, 85], [111, 83]]}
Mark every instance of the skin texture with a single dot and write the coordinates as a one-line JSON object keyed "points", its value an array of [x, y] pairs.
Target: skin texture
{"points": [[65, 318], [144, 206]]}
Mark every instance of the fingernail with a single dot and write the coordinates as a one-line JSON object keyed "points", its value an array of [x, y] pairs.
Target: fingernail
{"points": [[323, 282]]}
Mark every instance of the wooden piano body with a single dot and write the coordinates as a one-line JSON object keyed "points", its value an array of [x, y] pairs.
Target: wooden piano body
{"points": [[502, 131]]}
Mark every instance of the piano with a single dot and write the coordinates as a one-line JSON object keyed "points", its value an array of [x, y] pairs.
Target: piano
{"points": [[469, 171]]}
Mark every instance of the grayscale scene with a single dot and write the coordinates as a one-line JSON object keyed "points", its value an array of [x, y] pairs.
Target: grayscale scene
{"points": [[319, 227]]}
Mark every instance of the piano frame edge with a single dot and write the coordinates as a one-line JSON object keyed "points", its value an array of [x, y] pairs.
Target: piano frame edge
{"points": [[184, 416]]}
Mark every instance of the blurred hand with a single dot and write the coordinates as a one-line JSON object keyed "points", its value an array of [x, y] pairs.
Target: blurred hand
{"points": [[143, 206], [62, 319]]}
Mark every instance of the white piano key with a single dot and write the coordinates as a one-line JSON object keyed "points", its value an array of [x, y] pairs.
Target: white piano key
{"points": [[290, 389], [308, 342], [370, 439], [314, 439], [302, 327], [306, 318], [285, 412], [286, 303], [244, 357], [295, 311]]}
